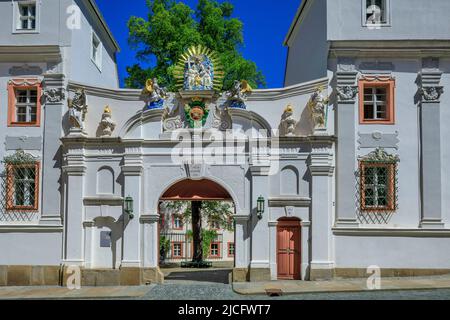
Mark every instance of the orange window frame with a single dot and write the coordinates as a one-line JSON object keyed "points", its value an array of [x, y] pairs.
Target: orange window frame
{"points": [[180, 256], [372, 82], [391, 187], [10, 187], [24, 84], [228, 249], [218, 255]]}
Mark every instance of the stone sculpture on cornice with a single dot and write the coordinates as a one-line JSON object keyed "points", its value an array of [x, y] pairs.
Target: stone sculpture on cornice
{"points": [[154, 94], [107, 125], [239, 93], [317, 106], [77, 110], [288, 122]]}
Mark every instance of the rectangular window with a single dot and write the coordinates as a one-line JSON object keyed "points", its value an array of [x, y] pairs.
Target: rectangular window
{"points": [[177, 250], [214, 250], [177, 222], [377, 186], [231, 249], [26, 15], [22, 187], [376, 98], [96, 54], [24, 105], [375, 12]]}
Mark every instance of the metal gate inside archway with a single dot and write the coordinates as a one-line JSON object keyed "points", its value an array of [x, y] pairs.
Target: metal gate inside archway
{"points": [[196, 230]]}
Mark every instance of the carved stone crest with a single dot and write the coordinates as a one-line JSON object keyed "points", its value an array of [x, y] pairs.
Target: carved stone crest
{"points": [[380, 155], [54, 95]]}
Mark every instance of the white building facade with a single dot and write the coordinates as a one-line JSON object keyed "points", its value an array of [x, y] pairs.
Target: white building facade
{"points": [[349, 159]]}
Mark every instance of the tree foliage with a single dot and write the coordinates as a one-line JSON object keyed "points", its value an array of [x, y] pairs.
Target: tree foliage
{"points": [[172, 27]]}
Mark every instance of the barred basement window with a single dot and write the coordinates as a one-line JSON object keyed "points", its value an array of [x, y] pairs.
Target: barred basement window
{"points": [[22, 182], [377, 179]]}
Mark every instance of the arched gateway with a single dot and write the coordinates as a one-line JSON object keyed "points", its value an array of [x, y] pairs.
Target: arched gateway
{"points": [[197, 143]]}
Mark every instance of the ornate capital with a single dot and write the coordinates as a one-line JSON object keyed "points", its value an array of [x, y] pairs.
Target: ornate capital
{"points": [[431, 94], [380, 155], [346, 93], [54, 95]]}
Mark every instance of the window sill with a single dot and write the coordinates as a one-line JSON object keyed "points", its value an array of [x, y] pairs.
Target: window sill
{"points": [[383, 122], [26, 31], [24, 124]]}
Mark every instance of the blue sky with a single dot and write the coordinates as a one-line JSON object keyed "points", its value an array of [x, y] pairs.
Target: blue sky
{"points": [[266, 23]]}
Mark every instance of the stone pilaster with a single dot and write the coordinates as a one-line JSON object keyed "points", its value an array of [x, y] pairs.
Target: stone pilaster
{"points": [[347, 108], [74, 170], [431, 154], [321, 168], [54, 102], [132, 171], [242, 248]]}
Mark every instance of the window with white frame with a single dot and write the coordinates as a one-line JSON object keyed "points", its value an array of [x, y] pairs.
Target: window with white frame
{"points": [[26, 105], [376, 12], [96, 54], [26, 13]]}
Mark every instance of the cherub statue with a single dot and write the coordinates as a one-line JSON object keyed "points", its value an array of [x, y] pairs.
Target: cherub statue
{"points": [[78, 109], [288, 123], [239, 93], [154, 94], [107, 125], [318, 107]]}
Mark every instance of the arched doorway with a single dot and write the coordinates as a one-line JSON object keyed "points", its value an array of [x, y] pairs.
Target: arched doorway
{"points": [[189, 226], [289, 249]]}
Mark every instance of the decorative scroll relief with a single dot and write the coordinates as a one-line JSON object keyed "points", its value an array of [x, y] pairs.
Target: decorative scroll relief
{"points": [[380, 155], [171, 120], [107, 125], [288, 122], [222, 119], [346, 93], [77, 110], [431, 94]]}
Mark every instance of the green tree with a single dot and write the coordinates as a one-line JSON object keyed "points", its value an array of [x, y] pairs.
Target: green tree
{"points": [[172, 27], [195, 212]]}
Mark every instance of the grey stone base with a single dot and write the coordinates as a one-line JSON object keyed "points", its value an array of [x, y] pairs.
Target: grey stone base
{"points": [[241, 275], [389, 272], [259, 274], [321, 274]]}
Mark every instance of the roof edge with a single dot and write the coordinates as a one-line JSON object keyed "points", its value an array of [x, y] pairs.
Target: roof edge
{"points": [[295, 22], [104, 24]]}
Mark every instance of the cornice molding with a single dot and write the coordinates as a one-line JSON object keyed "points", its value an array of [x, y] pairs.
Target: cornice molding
{"points": [[392, 232]]}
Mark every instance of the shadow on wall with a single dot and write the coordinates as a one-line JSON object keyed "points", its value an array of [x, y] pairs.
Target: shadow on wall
{"points": [[115, 228]]}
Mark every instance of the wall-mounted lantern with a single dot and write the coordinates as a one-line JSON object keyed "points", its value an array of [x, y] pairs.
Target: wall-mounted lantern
{"points": [[260, 203], [128, 206]]}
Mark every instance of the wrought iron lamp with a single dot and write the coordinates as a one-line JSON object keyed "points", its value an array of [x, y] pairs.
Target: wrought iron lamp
{"points": [[128, 206], [260, 203]]}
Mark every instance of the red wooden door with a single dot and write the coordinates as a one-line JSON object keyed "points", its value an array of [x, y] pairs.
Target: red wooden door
{"points": [[288, 250]]}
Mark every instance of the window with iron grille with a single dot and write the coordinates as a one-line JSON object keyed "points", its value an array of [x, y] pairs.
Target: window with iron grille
{"points": [[26, 15], [26, 105], [22, 182]]}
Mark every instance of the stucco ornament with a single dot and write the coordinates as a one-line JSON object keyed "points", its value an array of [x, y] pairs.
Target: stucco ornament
{"points": [[346, 93], [78, 109], [107, 125], [239, 93], [171, 120], [199, 69], [380, 155], [222, 119], [154, 94], [54, 95], [431, 93], [317, 106], [288, 122]]}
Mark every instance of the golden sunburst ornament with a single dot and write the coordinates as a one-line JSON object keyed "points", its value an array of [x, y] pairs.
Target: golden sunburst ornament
{"points": [[199, 68]]}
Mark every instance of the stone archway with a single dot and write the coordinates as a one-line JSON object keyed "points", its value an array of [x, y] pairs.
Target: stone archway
{"points": [[198, 191]]}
